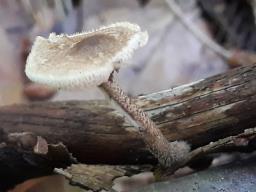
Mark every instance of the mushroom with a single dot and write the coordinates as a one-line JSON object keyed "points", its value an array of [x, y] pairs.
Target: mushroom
{"points": [[90, 59]]}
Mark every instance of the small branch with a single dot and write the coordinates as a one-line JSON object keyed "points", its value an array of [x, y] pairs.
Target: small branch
{"points": [[236, 176], [231, 141], [234, 58], [197, 32]]}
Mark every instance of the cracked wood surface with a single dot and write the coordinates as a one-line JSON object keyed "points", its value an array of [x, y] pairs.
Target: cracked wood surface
{"points": [[199, 113]]}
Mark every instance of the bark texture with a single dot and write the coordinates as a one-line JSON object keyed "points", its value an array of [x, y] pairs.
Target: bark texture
{"points": [[167, 153], [198, 113]]}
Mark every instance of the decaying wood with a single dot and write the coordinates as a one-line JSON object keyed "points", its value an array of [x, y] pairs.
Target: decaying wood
{"points": [[199, 113], [98, 177], [18, 165]]}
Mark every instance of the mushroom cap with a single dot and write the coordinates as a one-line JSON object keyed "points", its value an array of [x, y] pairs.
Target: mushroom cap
{"points": [[83, 59]]}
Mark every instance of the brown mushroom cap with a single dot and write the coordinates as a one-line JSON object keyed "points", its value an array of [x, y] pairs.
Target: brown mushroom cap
{"points": [[84, 59]]}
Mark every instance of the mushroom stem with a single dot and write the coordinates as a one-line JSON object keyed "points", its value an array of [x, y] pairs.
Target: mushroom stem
{"points": [[169, 154]]}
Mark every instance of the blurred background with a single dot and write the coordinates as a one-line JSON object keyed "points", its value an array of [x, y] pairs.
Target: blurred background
{"points": [[174, 55]]}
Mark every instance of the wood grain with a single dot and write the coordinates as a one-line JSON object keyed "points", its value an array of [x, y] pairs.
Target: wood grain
{"points": [[199, 113]]}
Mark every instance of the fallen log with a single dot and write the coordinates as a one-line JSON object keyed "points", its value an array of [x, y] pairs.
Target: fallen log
{"points": [[93, 132]]}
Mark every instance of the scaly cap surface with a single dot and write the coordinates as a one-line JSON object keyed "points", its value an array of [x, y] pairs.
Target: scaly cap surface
{"points": [[83, 59]]}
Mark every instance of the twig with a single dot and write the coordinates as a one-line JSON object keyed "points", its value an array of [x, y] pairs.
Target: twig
{"points": [[217, 146], [198, 33], [247, 135]]}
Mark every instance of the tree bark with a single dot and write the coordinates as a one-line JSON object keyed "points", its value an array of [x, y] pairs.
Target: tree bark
{"points": [[198, 113]]}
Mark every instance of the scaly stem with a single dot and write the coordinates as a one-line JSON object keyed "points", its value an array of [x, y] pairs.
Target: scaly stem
{"points": [[168, 154]]}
